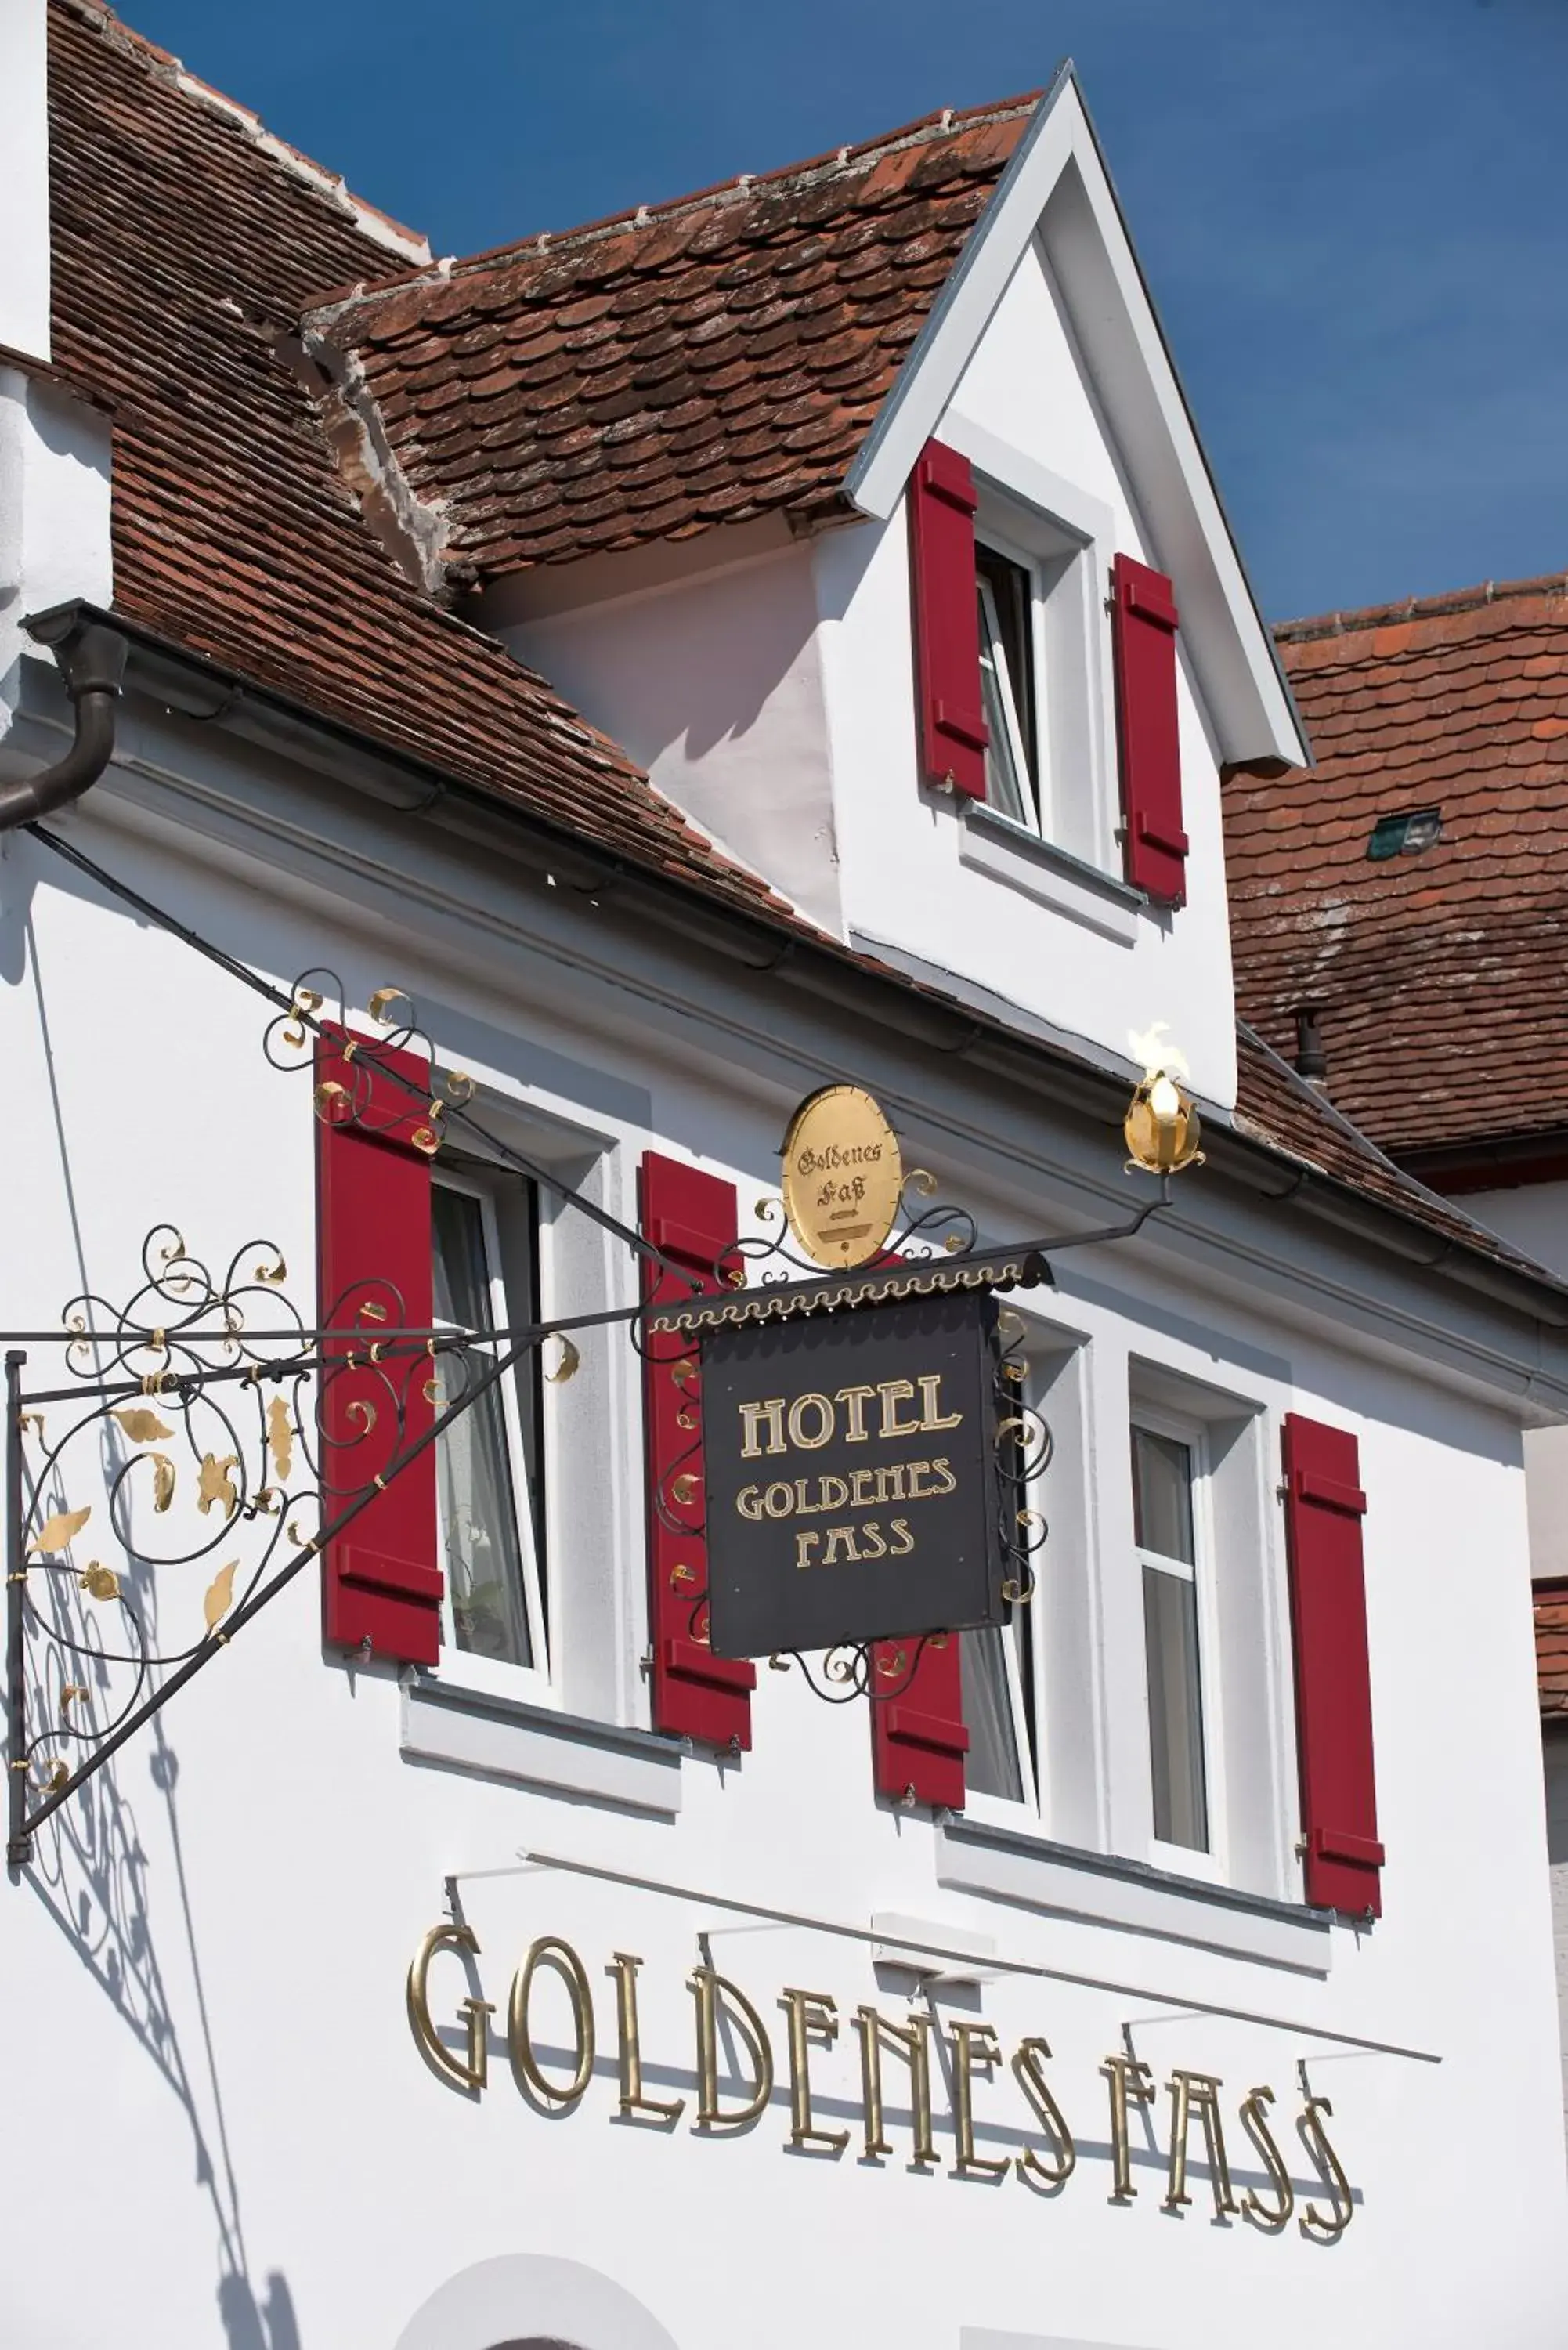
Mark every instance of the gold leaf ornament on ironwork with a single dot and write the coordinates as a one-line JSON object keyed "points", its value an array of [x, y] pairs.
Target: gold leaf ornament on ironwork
{"points": [[360, 1415], [98, 1582], [216, 1484], [383, 999], [142, 1427], [306, 1003], [569, 1363], [73, 1693], [57, 1532], [273, 1274], [280, 1437], [220, 1594], [327, 1095], [163, 1480]]}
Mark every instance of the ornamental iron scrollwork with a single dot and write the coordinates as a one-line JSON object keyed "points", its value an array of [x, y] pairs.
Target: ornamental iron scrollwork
{"points": [[197, 1432], [197, 1429]]}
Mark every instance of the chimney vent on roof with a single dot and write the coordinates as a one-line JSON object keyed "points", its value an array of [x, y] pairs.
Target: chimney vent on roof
{"points": [[1312, 1060]]}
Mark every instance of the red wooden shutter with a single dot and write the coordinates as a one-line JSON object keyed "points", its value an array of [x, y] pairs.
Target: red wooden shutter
{"points": [[953, 733], [691, 1217], [1143, 633], [1324, 1509], [918, 1738], [382, 1579]]}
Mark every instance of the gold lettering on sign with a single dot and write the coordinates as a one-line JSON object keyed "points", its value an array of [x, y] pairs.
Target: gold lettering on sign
{"points": [[752, 1416], [1254, 2121], [550, 1952], [821, 1433], [1327, 2228], [711, 1991], [630, 2047], [894, 1392], [808, 2012], [1197, 2093], [819, 1497], [470, 2075], [931, 1414], [1027, 2062], [907, 2040], [968, 2038], [855, 1401], [1128, 2079]]}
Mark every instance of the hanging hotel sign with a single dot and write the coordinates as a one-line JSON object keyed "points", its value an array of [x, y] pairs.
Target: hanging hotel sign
{"points": [[851, 1475], [842, 1178]]}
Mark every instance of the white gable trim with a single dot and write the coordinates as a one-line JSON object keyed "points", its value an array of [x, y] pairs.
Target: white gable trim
{"points": [[1057, 187]]}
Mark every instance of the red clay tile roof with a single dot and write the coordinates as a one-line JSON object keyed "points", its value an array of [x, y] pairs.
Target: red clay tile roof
{"points": [[1551, 1649], [709, 361], [185, 244], [1440, 979], [1276, 1107]]}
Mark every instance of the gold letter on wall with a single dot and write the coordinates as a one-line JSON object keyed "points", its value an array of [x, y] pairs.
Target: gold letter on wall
{"points": [[909, 2041], [1028, 2064], [632, 2100], [1327, 2228], [808, 2012], [709, 1990], [470, 2076], [1197, 2093], [967, 2039], [1129, 2078], [550, 1952], [1254, 2121]]}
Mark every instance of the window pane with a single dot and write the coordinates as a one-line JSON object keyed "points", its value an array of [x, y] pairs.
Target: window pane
{"points": [[1175, 1709], [1162, 1494], [1011, 590], [1006, 786], [480, 1553], [992, 1766]]}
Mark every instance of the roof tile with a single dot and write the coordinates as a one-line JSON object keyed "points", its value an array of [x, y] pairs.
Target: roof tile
{"points": [[183, 248], [1439, 979], [755, 303]]}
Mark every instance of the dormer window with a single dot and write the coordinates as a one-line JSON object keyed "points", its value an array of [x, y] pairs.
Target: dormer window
{"points": [[1015, 575]]}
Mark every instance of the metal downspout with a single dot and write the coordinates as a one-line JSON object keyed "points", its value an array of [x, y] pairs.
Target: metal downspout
{"points": [[90, 656]]}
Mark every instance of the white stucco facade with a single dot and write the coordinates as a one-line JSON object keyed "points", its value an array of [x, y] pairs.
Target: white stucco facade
{"points": [[229, 2127], [211, 1949]]}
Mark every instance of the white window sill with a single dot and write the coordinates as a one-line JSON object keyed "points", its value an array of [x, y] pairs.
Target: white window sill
{"points": [[975, 1856], [468, 1729], [1008, 852]]}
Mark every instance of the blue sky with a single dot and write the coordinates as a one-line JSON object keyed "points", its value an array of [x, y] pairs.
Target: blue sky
{"points": [[1352, 213]]}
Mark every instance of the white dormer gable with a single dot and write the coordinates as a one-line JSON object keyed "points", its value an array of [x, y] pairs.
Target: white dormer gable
{"points": [[780, 690]]}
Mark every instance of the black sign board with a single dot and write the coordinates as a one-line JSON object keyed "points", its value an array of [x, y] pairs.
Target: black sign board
{"points": [[852, 1490]]}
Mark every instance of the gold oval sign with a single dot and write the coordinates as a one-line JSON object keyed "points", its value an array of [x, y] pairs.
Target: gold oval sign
{"points": [[843, 1175]]}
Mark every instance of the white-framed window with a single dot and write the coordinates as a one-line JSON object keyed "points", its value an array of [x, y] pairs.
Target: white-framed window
{"points": [[1043, 548], [484, 1239], [1171, 1535]]}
